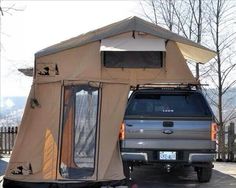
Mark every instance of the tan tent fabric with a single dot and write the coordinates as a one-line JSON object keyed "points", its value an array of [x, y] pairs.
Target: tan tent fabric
{"points": [[83, 63], [35, 143], [195, 54], [49, 156], [114, 99], [176, 68], [73, 65]]}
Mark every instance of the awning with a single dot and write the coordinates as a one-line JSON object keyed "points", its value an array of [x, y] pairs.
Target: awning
{"points": [[131, 44], [196, 54]]}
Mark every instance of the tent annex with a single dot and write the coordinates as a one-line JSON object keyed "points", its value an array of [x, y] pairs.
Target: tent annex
{"points": [[70, 127]]}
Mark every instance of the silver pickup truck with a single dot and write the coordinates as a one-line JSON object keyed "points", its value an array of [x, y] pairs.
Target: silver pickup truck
{"points": [[169, 126]]}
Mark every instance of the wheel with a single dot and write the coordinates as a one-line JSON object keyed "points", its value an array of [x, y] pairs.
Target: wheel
{"points": [[204, 174], [126, 169]]}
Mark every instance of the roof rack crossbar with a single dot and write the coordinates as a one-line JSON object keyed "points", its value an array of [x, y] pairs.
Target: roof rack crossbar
{"points": [[166, 85]]}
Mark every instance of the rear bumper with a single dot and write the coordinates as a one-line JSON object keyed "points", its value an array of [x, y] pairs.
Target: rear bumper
{"points": [[142, 157], [201, 157], [182, 156]]}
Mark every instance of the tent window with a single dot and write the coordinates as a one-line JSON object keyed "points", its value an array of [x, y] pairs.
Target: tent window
{"points": [[79, 132], [133, 59]]}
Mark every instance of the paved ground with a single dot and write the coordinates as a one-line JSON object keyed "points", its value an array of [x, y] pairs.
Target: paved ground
{"points": [[224, 176], [3, 165]]}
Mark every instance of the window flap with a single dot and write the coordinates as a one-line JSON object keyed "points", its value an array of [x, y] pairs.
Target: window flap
{"points": [[131, 44]]}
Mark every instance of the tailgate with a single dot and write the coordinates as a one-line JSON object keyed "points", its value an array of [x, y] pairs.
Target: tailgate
{"points": [[160, 134]]}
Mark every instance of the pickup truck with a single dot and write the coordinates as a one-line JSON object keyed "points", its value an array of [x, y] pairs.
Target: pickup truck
{"points": [[171, 127]]}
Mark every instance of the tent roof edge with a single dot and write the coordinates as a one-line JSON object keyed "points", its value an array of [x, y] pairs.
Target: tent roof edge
{"points": [[127, 25]]}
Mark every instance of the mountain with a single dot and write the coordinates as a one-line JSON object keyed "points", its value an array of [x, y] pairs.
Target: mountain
{"points": [[229, 101], [11, 110]]}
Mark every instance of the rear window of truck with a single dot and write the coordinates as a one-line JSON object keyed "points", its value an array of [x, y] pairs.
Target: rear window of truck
{"points": [[168, 105]]}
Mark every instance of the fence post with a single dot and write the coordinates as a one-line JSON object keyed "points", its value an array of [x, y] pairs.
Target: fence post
{"points": [[8, 139], [231, 137], [5, 140], [1, 141]]}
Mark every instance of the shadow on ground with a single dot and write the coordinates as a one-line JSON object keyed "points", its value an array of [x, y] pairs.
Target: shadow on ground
{"points": [[152, 176]]}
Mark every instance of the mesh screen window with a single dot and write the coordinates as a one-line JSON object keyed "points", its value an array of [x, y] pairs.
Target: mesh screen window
{"points": [[133, 59], [78, 149]]}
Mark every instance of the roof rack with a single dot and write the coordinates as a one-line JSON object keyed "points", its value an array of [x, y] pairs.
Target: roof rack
{"points": [[169, 86]]}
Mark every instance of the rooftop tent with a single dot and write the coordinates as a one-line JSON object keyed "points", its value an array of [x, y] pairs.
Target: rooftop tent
{"points": [[69, 131], [129, 25]]}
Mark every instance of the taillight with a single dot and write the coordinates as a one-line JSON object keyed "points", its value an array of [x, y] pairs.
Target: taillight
{"points": [[122, 131], [214, 129]]}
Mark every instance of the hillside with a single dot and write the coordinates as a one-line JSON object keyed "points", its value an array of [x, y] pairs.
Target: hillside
{"points": [[12, 108]]}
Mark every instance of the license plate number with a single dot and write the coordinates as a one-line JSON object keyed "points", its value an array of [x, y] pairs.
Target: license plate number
{"points": [[167, 155]]}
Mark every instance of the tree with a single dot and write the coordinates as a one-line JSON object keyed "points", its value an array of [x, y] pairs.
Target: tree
{"points": [[159, 12], [220, 21], [183, 17], [202, 20], [9, 9]]}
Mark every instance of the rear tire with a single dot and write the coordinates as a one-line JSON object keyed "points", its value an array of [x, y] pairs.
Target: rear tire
{"points": [[204, 174]]}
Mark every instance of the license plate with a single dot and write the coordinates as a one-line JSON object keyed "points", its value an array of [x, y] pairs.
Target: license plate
{"points": [[167, 155]]}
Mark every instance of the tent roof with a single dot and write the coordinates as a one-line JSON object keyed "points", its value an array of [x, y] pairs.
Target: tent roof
{"points": [[128, 25]]}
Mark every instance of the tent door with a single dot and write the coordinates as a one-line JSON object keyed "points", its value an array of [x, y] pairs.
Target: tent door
{"points": [[79, 130]]}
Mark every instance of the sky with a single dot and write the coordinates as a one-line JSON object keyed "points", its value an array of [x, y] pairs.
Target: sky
{"points": [[39, 24]]}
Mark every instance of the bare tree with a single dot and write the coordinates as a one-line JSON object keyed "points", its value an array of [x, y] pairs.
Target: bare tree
{"points": [[222, 68], [183, 17], [6, 10], [159, 12], [208, 21]]}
